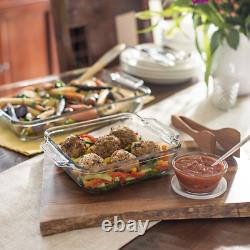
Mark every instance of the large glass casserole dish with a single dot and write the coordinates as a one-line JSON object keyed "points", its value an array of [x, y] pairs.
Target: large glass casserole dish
{"points": [[110, 175], [131, 101]]}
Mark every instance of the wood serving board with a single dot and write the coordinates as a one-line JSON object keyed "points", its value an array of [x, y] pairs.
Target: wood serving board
{"points": [[65, 207]]}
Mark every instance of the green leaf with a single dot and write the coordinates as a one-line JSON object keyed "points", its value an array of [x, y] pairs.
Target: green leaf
{"points": [[197, 20], [209, 62], [197, 43], [182, 2], [233, 38], [211, 14], [247, 26], [148, 29], [146, 15], [216, 40]]}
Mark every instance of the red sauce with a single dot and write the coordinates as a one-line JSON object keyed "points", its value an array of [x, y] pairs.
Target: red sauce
{"points": [[196, 174]]}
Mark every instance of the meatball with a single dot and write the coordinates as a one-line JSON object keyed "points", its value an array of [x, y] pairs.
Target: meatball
{"points": [[73, 146], [106, 145], [126, 135], [144, 147], [89, 161], [121, 155]]}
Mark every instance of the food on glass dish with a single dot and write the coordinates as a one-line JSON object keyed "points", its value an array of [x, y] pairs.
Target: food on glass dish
{"points": [[105, 163], [32, 107], [51, 99], [73, 146], [126, 135], [121, 155], [90, 160], [106, 145], [196, 174], [144, 147]]}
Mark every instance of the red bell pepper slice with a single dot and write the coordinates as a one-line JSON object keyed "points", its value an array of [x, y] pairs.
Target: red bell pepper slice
{"points": [[137, 174], [95, 182], [92, 138], [121, 175]]}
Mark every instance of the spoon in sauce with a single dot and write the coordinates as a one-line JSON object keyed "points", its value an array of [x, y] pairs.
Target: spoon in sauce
{"points": [[232, 150]]}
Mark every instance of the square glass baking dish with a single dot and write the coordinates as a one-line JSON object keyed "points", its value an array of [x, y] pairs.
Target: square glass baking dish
{"points": [[114, 175], [28, 130]]}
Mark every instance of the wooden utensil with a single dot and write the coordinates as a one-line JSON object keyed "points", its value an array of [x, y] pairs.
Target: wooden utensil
{"points": [[204, 139], [100, 64], [232, 150], [226, 137]]}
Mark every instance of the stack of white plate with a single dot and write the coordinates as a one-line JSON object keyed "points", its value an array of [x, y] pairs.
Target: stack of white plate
{"points": [[157, 65]]}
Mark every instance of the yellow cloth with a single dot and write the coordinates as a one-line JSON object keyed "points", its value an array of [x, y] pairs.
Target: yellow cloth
{"points": [[8, 139]]}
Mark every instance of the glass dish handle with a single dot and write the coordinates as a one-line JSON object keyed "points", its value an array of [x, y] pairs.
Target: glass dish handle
{"points": [[167, 134], [56, 157]]}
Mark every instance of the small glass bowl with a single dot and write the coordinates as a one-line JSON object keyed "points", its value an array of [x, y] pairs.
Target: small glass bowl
{"points": [[195, 183]]}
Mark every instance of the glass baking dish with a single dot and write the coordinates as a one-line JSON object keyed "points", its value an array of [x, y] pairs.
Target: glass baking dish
{"points": [[114, 175], [27, 130]]}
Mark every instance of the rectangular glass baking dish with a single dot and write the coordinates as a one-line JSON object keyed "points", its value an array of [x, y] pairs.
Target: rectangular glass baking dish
{"points": [[118, 174], [28, 130]]}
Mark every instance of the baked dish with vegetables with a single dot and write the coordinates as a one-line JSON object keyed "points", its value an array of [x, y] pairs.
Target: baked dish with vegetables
{"points": [[34, 108], [119, 156]]}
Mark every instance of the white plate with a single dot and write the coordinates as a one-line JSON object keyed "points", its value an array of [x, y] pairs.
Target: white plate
{"points": [[153, 75], [163, 81], [166, 81], [160, 70], [133, 58], [220, 189]]}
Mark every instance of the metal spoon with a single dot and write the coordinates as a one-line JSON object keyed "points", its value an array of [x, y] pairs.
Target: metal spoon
{"points": [[126, 79], [232, 150]]}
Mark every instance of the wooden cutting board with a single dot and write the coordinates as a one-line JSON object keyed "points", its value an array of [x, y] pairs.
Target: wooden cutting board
{"points": [[65, 207]]}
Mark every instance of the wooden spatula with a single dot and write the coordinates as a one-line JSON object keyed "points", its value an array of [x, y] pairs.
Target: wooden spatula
{"points": [[204, 139], [226, 137], [100, 64]]}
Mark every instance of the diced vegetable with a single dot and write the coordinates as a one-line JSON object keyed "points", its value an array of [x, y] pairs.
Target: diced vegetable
{"points": [[47, 113], [97, 176], [62, 91], [94, 183], [19, 101], [90, 137]]}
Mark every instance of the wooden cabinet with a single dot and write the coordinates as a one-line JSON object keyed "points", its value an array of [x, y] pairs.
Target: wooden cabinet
{"points": [[27, 46]]}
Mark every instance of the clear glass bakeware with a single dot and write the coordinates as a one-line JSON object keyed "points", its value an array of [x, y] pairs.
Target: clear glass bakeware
{"points": [[34, 129], [118, 174]]}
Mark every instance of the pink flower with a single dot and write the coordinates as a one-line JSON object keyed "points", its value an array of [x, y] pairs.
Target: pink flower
{"points": [[236, 6], [219, 1], [222, 12], [233, 14]]}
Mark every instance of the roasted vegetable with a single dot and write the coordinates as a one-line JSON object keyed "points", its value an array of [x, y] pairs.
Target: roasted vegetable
{"points": [[45, 100]]}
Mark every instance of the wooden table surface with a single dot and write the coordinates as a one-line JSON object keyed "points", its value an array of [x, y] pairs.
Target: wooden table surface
{"points": [[216, 234]]}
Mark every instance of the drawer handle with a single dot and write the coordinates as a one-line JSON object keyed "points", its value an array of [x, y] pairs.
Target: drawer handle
{"points": [[4, 67]]}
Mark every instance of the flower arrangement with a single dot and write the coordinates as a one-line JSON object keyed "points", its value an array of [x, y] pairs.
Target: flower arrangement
{"points": [[229, 18]]}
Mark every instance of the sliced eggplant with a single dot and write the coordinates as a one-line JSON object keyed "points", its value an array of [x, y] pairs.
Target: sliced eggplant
{"points": [[93, 88], [21, 111]]}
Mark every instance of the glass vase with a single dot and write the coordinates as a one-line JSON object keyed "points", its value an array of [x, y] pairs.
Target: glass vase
{"points": [[225, 93]]}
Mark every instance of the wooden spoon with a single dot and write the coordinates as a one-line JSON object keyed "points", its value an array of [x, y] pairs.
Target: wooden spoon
{"points": [[100, 64], [204, 139], [226, 137]]}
